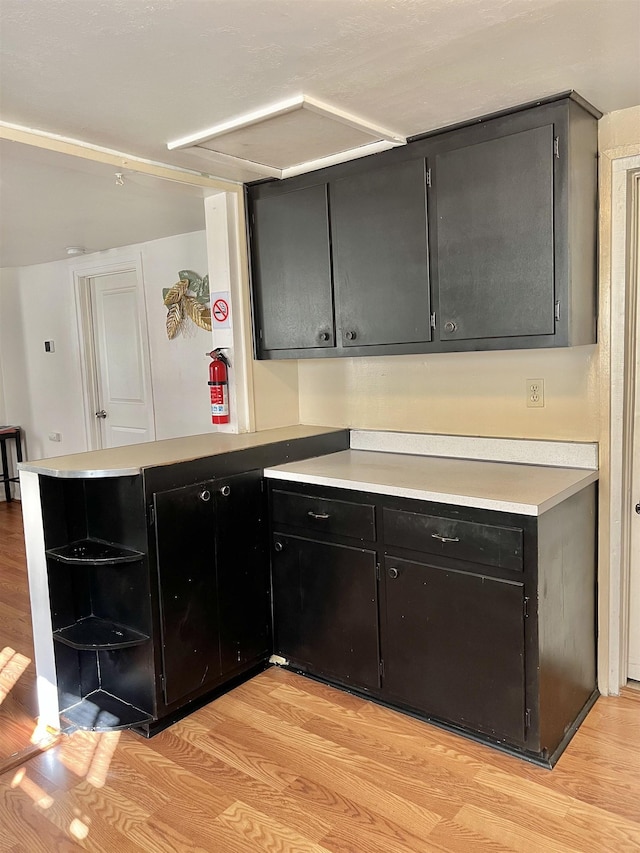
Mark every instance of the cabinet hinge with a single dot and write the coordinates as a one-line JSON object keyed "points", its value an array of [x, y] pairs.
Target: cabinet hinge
{"points": [[378, 571], [433, 320], [152, 514], [527, 719], [260, 334], [525, 606], [556, 312], [381, 668], [428, 177], [556, 147]]}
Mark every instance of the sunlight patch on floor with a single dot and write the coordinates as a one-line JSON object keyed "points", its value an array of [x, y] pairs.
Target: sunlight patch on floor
{"points": [[12, 665]]}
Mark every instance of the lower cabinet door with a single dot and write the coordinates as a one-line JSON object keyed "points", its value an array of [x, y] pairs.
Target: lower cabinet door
{"points": [[244, 612], [326, 609], [188, 589], [453, 646]]}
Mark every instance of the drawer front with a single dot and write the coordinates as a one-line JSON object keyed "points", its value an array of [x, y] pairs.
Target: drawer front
{"points": [[323, 515], [487, 544]]}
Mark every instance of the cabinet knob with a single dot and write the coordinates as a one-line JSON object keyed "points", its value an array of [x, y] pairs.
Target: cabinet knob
{"points": [[450, 326], [278, 546], [324, 336], [638, 508], [350, 335], [393, 573], [225, 491], [205, 495]]}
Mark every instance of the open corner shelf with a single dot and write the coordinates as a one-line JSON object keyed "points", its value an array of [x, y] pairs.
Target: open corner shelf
{"points": [[101, 712], [93, 552], [92, 632]]}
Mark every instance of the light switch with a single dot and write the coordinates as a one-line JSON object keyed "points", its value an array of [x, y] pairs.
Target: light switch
{"points": [[49, 346]]}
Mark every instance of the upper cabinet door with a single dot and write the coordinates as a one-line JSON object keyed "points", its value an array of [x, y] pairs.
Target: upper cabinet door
{"points": [[495, 237], [380, 255], [292, 270]]}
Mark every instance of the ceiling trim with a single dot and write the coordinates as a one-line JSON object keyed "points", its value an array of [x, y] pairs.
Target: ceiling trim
{"points": [[88, 151]]}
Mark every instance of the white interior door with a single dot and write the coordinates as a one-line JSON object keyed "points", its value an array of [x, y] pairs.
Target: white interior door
{"points": [[124, 407], [633, 658]]}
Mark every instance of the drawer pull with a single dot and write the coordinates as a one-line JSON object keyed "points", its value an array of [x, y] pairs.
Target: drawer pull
{"points": [[321, 515], [444, 538]]}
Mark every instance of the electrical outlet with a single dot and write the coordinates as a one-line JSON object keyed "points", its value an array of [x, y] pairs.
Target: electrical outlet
{"points": [[55, 436], [535, 393]]}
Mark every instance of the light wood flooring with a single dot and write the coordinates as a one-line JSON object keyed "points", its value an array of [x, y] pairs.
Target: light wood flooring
{"points": [[283, 764]]}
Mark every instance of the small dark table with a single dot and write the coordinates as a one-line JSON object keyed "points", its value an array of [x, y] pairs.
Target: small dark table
{"points": [[7, 432]]}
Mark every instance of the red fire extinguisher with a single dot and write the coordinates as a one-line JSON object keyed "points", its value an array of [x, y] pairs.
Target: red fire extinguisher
{"points": [[219, 384]]}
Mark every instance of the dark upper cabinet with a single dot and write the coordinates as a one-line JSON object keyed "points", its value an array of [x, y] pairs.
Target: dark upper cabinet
{"points": [[513, 230], [292, 270], [505, 259], [495, 237], [380, 258]]}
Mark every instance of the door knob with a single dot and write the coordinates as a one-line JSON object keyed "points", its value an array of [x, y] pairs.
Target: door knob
{"points": [[101, 414]]}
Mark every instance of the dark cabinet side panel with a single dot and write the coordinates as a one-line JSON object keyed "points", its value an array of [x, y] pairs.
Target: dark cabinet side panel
{"points": [[495, 237], [454, 646], [326, 609], [292, 270], [188, 597], [379, 239]]}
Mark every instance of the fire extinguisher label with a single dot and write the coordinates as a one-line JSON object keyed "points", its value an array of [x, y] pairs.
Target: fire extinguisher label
{"points": [[219, 400]]}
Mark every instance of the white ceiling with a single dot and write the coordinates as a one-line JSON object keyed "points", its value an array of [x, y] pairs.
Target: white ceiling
{"points": [[132, 75]]}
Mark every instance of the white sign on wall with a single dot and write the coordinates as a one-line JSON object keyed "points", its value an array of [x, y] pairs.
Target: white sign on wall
{"points": [[221, 310]]}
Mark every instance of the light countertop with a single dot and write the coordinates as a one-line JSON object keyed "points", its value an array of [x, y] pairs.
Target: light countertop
{"points": [[503, 486], [133, 458]]}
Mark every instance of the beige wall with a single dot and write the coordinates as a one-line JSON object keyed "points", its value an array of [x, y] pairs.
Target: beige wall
{"points": [[479, 393]]}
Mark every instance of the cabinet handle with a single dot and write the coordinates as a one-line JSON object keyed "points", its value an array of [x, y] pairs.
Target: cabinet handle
{"points": [[205, 495], [393, 573], [278, 546], [444, 538], [321, 515], [351, 336], [324, 336], [450, 326], [225, 491]]}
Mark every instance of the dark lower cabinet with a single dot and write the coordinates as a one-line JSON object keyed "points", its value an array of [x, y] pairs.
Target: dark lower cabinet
{"points": [[454, 646], [478, 620], [325, 609], [213, 582]]}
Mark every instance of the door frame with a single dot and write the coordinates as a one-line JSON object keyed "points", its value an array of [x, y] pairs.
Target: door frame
{"points": [[623, 308], [88, 363]]}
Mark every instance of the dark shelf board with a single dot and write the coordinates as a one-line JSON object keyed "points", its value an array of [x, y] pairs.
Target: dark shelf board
{"points": [[92, 632], [101, 712], [93, 552]]}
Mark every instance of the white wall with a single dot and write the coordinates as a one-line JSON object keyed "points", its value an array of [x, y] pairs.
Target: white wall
{"points": [[179, 368], [43, 391]]}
